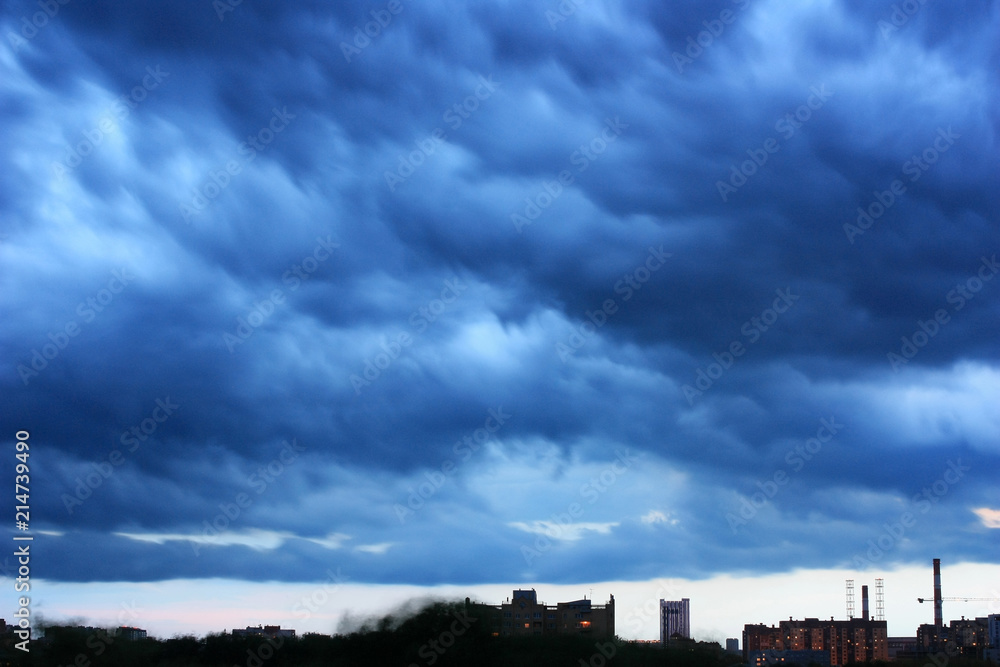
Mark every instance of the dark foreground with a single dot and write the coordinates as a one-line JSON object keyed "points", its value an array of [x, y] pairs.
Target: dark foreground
{"points": [[439, 635]]}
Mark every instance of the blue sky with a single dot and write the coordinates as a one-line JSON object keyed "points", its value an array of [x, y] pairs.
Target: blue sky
{"points": [[509, 293]]}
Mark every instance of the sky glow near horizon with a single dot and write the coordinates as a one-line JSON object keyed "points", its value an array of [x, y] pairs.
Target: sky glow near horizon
{"points": [[505, 294]]}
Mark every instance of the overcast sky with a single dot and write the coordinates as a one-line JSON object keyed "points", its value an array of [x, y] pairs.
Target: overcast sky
{"points": [[500, 294]]}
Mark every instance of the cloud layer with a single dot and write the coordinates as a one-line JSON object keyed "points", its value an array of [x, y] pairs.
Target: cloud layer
{"points": [[465, 294]]}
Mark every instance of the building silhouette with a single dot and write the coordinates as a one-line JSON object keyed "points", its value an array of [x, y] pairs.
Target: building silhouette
{"points": [[675, 620], [970, 636], [272, 631], [130, 633], [992, 651], [854, 640], [902, 647], [522, 614], [787, 657]]}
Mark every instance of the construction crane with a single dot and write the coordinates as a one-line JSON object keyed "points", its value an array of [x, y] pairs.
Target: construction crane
{"points": [[938, 599]]}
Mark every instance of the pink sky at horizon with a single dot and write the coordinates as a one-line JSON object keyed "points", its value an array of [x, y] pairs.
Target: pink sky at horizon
{"points": [[720, 606]]}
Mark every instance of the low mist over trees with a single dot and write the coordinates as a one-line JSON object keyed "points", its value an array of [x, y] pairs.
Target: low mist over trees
{"points": [[421, 633], [439, 634]]}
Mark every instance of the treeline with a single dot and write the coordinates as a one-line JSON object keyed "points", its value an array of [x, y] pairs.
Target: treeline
{"points": [[441, 634]]}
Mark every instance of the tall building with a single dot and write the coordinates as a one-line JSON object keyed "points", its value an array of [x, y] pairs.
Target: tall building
{"points": [[732, 645], [760, 637], [932, 638], [855, 640], [522, 614], [970, 636], [675, 619], [993, 630]]}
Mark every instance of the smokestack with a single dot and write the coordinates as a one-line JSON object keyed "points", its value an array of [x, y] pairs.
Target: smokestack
{"points": [[864, 602], [938, 622]]}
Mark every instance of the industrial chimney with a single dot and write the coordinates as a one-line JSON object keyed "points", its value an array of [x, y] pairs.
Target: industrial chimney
{"points": [[864, 603], [938, 622]]}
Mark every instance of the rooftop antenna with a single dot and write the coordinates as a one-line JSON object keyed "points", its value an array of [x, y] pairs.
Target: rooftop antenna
{"points": [[850, 599], [879, 600]]}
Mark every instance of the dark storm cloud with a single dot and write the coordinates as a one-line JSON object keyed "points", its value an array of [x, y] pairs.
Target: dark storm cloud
{"points": [[364, 244]]}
